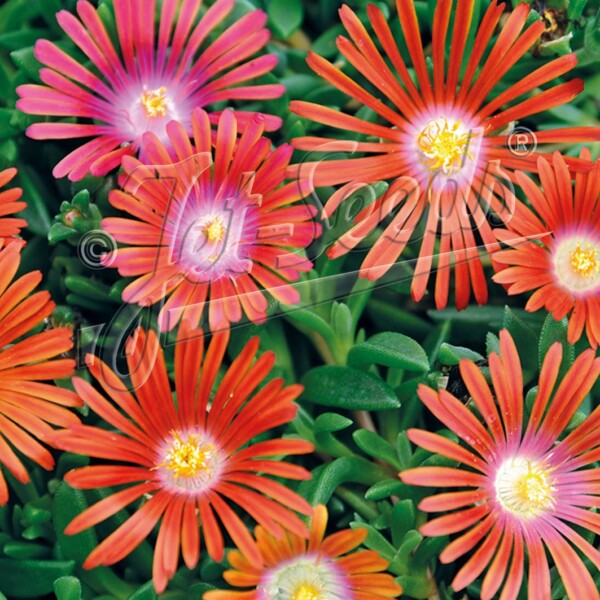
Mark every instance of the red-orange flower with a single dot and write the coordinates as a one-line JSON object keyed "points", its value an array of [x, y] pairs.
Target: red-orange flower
{"points": [[555, 250], [211, 226], [522, 489], [9, 205], [191, 458], [320, 569], [29, 407], [444, 144]]}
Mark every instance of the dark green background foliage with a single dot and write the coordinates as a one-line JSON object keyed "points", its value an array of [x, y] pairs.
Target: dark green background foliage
{"points": [[353, 345]]}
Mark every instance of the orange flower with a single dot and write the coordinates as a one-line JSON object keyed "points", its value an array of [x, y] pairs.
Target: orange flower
{"points": [[190, 459], [9, 205], [442, 141], [291, 568], [28, 406], [555, 250]]}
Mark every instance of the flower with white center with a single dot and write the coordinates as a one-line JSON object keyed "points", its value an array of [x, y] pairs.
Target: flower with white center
{"points": [[161, 66], [554, 247], [191, 457], [523, 485], [209, 227], [322, 568]]}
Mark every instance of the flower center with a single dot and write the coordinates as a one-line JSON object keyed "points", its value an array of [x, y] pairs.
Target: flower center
{"points": [[307, 591], [524, 488], [577, 264], [215, 230], [304, 577], [444, 145], [154, 102], [191, 461], [585, 262]]}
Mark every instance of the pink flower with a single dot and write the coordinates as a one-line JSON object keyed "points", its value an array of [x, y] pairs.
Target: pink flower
{"points": [[554, 249], [154, 76], [522, 489], [211, 226]]}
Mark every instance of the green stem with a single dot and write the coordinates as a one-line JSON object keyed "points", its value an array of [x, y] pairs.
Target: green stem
{"points": [[360, 505], [104, 579], [324, 349], [389, 425], [361, 292]]}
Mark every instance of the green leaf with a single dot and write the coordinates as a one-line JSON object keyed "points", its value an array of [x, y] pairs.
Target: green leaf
{"points": [[428, 549], [325, 45], [410, 541], [403, 520], [27, 62], [375, 446], [557, 47], [341, 318], [7, 128], [490, 316], [591, 37], [451, 355], [415, 587], [146, 592], [36, 515], [87, 288], [59, 233], [25, 550], [492, 343], [348, 469], [307, 320], [523, 336], [345, 387], [13, 40], [575, 9], [285, 16], [384, 489], [68, 503], [328, 422], [376, 541], [37, 195], [67, 588], [552, 332], [390, 350], [31, 578]]}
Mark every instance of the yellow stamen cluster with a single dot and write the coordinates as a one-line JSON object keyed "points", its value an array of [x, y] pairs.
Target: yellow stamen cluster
{"points": [[444, 145], [584, 262], [551, 21], [215, 230], [191, 457], [306, 592], [154, 102], [524, 488]]}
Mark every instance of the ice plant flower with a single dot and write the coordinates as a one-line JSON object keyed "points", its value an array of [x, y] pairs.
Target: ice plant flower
{"points": [[30, 404], [322, 568], [444, 141], [155, 74], [554, 251], [522, 487], [211, 225], [10, 225], [190, 459]]}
